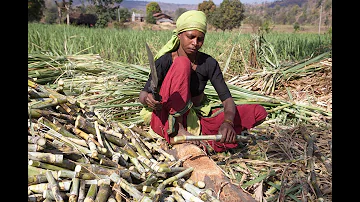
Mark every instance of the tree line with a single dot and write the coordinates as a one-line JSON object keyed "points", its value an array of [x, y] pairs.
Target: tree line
{"points": [[230, 14]]}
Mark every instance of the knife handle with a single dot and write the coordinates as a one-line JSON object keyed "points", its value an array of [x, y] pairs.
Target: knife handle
{"points": [[157, 96]]}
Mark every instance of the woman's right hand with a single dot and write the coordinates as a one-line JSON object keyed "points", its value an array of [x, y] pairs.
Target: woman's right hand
{"points": [[152, 103]]}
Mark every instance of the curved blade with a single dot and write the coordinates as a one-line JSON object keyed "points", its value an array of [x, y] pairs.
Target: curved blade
{"points": [[154, 78]]}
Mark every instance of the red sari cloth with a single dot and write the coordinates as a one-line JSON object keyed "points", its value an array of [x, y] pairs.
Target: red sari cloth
{"points": [[175, 93], [245, 118]]}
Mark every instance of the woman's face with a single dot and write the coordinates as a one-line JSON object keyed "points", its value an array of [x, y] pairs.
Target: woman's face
{"points": [[191, 41]]}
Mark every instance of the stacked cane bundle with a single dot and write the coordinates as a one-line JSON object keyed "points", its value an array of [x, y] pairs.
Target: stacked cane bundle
{"points": [[74, 155]]}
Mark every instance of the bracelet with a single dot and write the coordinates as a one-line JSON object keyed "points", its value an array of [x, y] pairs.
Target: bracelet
{"points": [[229, 122]]}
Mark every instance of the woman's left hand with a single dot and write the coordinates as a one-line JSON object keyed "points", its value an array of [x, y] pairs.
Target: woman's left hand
{"points": [[228, 133]]}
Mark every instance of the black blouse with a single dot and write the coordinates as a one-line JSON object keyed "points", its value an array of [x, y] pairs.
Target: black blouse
{"points": [[207, 69]]}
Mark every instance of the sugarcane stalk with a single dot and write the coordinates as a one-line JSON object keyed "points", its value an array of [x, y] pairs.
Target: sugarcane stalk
{"points": [[41, 103], [110, 131], [71, 174], [91, 193], [68, 109], [53, 185], [160, 150], [35, 198], [37, 113], [111, 198], [138, 196], [45, 89], [49, 196], [93, 149], [95, 169], [116, 140], [155, 166], [60, 130], [45, 165], [84, 124], [37, 140], [82, 191], [142, 132], [169, 180], [178, 197], [195, 190], [138, 147], [139, 144], [64, 185], [36, 179], [182, 138], [98, 135], [185, 194], [104, 190], [46, 157], [32, 171], [117, 192], [35, 148], [74, 189]]}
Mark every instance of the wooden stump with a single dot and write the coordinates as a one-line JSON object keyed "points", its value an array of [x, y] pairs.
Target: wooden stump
{"points": [[206, 170]]}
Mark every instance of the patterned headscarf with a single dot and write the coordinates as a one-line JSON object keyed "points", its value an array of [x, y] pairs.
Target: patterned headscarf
{"points": [[189, 20]]}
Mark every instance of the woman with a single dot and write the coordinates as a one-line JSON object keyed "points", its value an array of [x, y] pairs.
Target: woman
{"points": [[183, 72]]}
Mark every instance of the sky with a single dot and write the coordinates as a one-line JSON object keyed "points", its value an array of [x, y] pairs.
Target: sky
{"points": [[217, 2]]}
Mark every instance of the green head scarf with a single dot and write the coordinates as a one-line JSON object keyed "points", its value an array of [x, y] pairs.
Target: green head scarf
{"points": [[189, 20]]}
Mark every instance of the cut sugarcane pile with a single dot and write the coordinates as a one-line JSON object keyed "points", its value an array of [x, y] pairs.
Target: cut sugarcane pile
{"points": [[75, 156], [283, 164]]}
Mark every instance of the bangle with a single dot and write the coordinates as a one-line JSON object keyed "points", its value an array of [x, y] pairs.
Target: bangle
{"points": [[229, 122]]}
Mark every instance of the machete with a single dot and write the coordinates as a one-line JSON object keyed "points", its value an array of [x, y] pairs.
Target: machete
{"points": [[154, 79]]}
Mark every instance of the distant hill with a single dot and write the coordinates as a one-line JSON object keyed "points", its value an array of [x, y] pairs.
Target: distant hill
{"points": [[141, 5]]}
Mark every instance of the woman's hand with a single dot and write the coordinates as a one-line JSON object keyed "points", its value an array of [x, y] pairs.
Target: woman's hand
{"points": [[228, 133], [152, 103]]}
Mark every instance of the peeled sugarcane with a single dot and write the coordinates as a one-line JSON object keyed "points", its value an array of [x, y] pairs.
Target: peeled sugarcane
{"points": [[64, 185], [91, 194], [195, 190], [161, 186], [137, 195], [185, 194], [46, 157], [183, 138], [74, 192], [53, 185], [104, 190]]}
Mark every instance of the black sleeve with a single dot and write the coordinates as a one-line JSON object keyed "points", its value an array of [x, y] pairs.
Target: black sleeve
{"points": [[217, 80], [162, 65]]}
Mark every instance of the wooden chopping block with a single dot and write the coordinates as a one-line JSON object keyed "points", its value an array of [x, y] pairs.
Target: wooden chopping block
{"points": [[206, 170]]}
